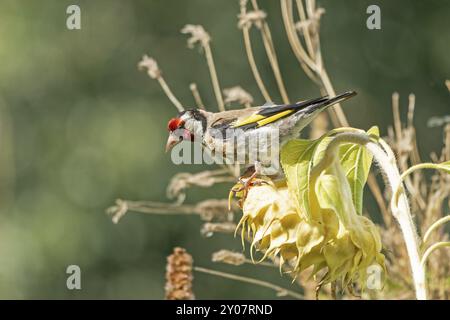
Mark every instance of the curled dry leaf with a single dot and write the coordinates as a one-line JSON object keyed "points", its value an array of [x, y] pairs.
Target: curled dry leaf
{"points": [[237, 94], [198, 35], [229, 257]]}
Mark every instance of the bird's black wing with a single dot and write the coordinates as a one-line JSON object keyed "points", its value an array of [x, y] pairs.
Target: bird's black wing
{"points": [[270, 114]]}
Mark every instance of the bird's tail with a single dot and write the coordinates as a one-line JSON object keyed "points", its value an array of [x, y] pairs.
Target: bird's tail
{"points": [[340, 97], [318, 105], [308, 106]]}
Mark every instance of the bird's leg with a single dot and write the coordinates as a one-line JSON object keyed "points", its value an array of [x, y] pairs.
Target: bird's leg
{"points": [[245, 182], [253, 179]]}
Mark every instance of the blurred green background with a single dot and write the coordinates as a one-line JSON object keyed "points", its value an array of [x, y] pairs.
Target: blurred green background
{"points": [[81, 126]]}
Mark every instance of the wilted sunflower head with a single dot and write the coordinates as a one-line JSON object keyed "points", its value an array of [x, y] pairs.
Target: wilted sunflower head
{"points": [[313, 222]]}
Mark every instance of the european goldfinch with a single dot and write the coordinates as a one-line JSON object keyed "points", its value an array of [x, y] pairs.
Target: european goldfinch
{"points": [[217, 131]]}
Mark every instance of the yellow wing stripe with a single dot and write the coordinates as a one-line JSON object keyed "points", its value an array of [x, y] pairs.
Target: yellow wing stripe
{"points": [[273, 118], [262, 120], [251, 119]]}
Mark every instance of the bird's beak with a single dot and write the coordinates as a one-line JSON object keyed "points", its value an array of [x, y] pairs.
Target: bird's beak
{"points": [[171, 142]]}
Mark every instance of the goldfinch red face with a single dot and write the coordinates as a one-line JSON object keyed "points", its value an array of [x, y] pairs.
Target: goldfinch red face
{"points": [[186, 126], [177, 133]]}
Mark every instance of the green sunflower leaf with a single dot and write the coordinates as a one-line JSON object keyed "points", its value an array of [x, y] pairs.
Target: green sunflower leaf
{"points": [[356, 161]]}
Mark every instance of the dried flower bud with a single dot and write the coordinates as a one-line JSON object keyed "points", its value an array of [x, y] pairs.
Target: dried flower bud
{"points": [[251, 17], [229, 257], [179, 276], [243, 3], [208, 229], [118, 211], [151, 66], [198, 34], [181, 181], [237, 94], [214, 209], [312, 22], [438, 121]]}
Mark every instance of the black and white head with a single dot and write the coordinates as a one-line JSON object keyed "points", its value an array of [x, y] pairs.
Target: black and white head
{"points": [[189, 125]]}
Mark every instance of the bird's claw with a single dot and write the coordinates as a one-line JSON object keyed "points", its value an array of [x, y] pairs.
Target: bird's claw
{"points": [[242, 187]]}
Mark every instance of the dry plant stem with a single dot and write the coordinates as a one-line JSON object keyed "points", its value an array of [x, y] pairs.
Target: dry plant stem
{"points": [[271, 54], [401, 211], [396, 113], [122, 207], [196, 95], [151, 66], [206, 209], [399, 136], [296, 44], [306, 33], [432, 248], [415, 156], [169, 94], [288, 19], [270, 49], [418, 167], [316, 66], [434, 226], [210, 228], [199, 35], [339, 113], [413, 169], [306, 63], [281, 291], [338, 118], [151, 207], [276, 261], [251, 60], [204, 179], [417, 186], [447, 142], [214, 78]]}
